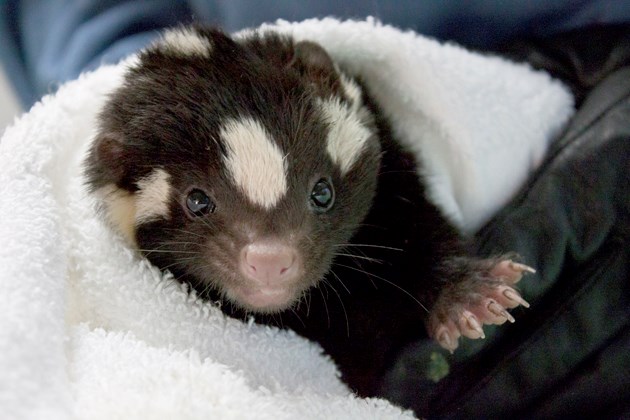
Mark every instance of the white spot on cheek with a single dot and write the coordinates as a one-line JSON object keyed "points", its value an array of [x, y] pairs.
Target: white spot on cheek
{"points": [[347, 135], [152, 197], [254, 162], [120, 208], [183, 42]]}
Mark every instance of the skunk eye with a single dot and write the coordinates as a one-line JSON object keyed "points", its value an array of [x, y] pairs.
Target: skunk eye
{"points": [[322, 196], [199, 203]]}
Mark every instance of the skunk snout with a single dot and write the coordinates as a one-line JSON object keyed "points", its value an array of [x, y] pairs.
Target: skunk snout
{"points": [[271, 271], [270, 263]]}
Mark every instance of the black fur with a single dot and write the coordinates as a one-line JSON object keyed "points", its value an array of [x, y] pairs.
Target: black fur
{"points": [[389, 264]]}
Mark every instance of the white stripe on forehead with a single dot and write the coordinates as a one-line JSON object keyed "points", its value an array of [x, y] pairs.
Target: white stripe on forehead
{"points": [[184, 42], [254, 162], [152, 198], [346, 136]]}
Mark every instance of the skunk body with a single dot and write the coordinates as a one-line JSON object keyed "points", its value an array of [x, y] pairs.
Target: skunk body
{"points": [[257, 171]]}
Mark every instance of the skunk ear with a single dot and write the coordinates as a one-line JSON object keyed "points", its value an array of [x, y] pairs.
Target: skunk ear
{"points": [[106, 160], [312, 61]]}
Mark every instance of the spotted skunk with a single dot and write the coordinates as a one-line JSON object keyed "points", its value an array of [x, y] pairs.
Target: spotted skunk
{"points": [[258, 172]]}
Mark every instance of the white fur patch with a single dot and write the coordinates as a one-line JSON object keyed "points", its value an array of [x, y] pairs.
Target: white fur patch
{"points": [[152, 197], [184, 42], [347, 135], [352, 90], [120, 208], [254, 162]]}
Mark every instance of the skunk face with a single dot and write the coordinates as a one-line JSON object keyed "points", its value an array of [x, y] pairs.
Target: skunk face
{"points": [[242, 166]]}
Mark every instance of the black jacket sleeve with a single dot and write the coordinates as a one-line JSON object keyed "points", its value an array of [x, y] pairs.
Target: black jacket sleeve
{"points": [[566, 356]]}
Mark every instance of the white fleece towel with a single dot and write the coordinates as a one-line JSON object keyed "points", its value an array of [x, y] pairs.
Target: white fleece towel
{"points": [[91, 331]]}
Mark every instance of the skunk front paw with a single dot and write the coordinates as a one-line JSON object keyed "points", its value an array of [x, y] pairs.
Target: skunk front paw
{"points": [[481, 297]]}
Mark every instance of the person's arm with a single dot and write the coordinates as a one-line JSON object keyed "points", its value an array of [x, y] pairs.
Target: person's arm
{"points": [[47, 43]]}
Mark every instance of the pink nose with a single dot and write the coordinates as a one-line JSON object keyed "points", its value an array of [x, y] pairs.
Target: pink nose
{"points": [[269, 263]]}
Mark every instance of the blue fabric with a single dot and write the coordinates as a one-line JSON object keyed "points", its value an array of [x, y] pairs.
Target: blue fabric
{"points": [[45, 43]]}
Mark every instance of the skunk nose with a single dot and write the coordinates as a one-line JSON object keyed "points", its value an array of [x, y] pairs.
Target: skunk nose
{"points": [[269, 263]]}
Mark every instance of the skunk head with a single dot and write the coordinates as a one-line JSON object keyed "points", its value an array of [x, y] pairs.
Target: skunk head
{"points": [[242, 166]]}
